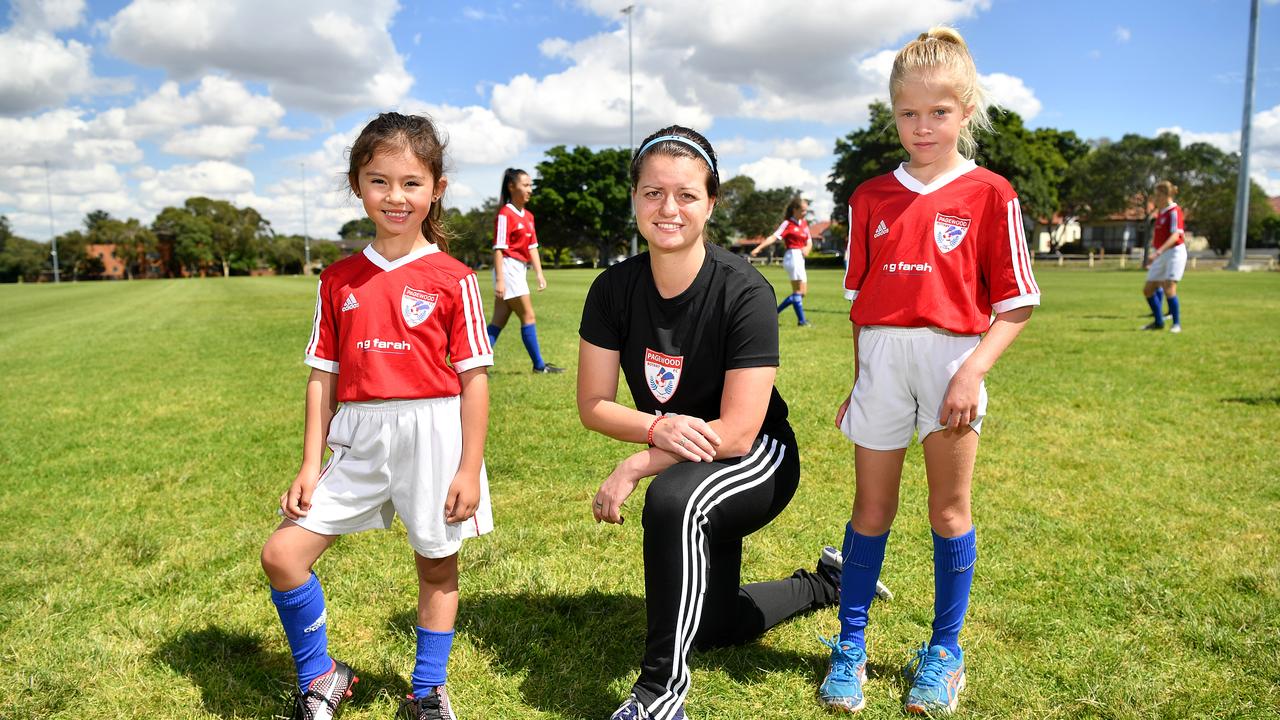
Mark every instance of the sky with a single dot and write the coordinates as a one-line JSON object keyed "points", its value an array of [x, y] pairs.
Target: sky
{"points": [[133, 106]]}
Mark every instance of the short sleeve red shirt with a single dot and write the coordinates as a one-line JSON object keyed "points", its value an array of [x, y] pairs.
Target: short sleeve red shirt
{"points": [[398, 328], [1169, 221], [946, 255], [514, 233], [794, 233]]}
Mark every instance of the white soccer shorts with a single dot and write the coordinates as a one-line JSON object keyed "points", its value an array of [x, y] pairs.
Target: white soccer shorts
{"points": [[903, 375], [396, 457], [1169, 265], [793, 263], [514, 276]]}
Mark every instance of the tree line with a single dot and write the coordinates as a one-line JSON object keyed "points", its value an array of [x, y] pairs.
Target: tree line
{"points": [[583, 205]]}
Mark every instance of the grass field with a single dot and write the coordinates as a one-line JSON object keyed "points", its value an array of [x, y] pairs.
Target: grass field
{"points": [[1126, 498]]}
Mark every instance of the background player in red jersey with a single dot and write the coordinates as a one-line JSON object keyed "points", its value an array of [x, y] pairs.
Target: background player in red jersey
{"points": [[692, 328], [398, 339], [1168, 258], [515, 247], [794, 234], [935, 248]]}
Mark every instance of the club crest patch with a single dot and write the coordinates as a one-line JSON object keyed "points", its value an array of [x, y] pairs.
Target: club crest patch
{"points": [[662, 373], [948, 231], [416, 306]]}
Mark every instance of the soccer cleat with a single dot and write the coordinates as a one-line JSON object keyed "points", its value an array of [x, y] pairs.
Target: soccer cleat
{"points": [[841, 689], [1153, 325], [832, 560], [434, 706], [631, 709], [324, 694], [804, 324], [549, 369], [1176, 328], [937, 678]]}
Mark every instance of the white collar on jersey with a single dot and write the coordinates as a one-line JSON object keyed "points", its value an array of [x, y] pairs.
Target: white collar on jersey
{"points": [[516, 210], [938, 183], [388, 265], [1170, 205]]}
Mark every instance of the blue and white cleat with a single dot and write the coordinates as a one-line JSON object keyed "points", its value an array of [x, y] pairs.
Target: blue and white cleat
{"points": [[841, 689], [937, 678]]}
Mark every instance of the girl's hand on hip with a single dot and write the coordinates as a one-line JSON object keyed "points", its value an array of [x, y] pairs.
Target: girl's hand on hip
{"points": [[296, 501], [844, 408], [960, 404], [463, 498], [689, 437]]}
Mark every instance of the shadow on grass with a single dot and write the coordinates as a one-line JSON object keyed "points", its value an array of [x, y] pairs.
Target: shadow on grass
{"points": [[1257, 401], [237, 678], [572, 651]]}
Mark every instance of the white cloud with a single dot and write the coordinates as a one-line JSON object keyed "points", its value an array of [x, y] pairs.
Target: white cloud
{"points": [[805, 147], [41, 71], [213, 141], [1122, 34], [215, 101], [1264, 146], [47, 15], [1011, 93], [475, 134], [772, 172], [210, 178], [694, 62], [325, 55]]}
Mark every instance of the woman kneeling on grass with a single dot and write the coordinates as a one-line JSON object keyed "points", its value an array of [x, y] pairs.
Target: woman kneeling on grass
{"points": [[693, 329]]}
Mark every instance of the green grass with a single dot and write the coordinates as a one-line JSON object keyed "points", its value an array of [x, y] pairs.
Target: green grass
{"points": [[1126, 497]]}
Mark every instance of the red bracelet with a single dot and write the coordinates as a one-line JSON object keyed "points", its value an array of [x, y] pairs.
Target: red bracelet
{"points": [[653, 425]]}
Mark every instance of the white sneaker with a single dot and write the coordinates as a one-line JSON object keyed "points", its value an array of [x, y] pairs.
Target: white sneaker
{"points": [[1175, 329], [833, 557]]}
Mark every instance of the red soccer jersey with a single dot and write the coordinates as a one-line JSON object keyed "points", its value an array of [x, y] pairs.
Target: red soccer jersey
{"points": [[1169, 221], [795, 233], [398, 329], [514, 234], [944, 255]]}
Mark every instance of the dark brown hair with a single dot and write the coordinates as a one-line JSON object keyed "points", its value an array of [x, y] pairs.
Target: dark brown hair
{"points": [[509, 178], [390, 132], [677, 148], [792, 207]]}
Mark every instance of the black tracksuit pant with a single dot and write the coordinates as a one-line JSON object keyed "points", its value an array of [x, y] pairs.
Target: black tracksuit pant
{"points": [[695, 517]]}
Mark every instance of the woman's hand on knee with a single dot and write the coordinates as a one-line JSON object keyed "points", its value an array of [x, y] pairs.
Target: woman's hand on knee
{"points": [[689, 437]]}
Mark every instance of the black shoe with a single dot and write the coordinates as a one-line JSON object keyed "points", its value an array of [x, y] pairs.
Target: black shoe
{"points": [[1153, 325], [432, 707], [324, 694], [549, 369]]}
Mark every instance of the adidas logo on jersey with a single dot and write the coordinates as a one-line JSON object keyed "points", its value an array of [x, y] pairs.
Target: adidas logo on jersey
{"points": [[350, 304], [881, 230]]}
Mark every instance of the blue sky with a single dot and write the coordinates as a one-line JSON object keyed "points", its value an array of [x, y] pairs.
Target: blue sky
{"points": [[137, 105]]}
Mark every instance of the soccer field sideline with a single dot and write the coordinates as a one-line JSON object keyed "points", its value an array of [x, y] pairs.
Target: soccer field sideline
{"points": [[1125, 498]]}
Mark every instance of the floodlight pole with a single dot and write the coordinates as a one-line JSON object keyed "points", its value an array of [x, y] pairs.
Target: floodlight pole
{"points": [[1241, 224], [48, 194], [306, 237], [631, 111]]}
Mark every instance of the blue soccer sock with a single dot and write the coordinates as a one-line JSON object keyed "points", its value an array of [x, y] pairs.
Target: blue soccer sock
{"points": [[953, 561], [433, 660], [302, 613], [493, 331], [529, 334], [863, 557], [799, 308], [1156, 310], [786, 303], [1175, 309], [1159, 297]]}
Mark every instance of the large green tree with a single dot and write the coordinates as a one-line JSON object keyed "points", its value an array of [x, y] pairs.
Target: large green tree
{"points": [[1215, 211], [720, 228], [362, 229], [582, 199], [760, 211], [134, 243], [472, 240], [864, 154], [20, 259], [206, 232], [1120, 177]]}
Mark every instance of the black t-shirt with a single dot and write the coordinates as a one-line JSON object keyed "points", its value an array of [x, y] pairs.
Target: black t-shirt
{"points": [[674, 352]]}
